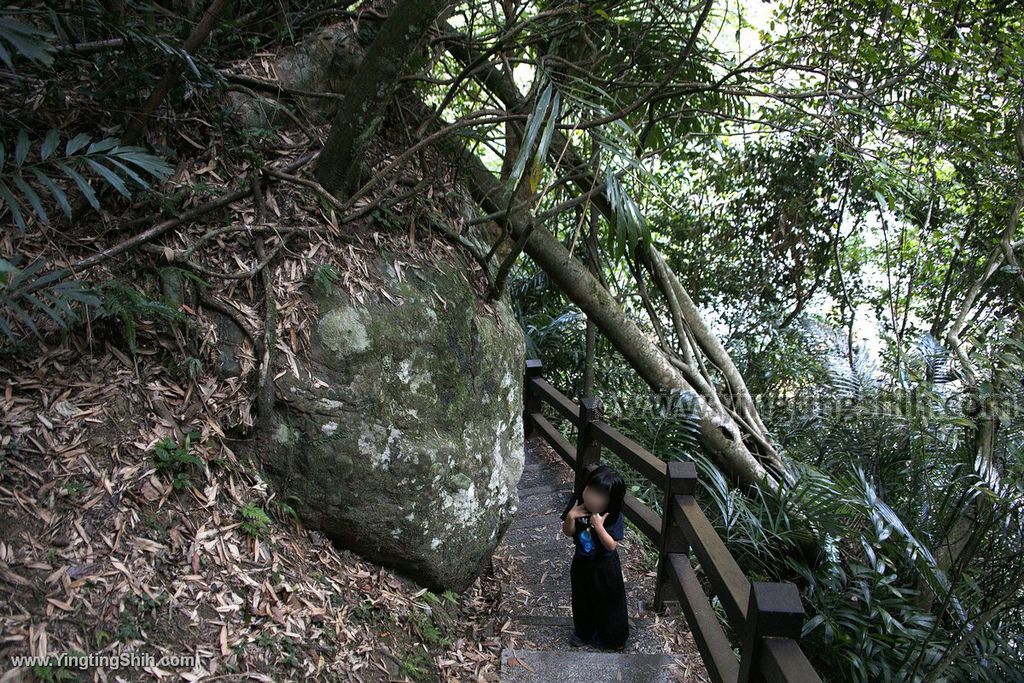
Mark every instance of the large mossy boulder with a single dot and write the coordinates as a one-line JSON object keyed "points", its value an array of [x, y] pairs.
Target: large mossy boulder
{"points": [[405, 443]]}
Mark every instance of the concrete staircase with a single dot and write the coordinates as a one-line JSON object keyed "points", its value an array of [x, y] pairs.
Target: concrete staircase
{"points": [[533, 561]]}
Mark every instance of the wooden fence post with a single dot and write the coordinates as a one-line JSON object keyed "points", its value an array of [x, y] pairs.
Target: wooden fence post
{"points": [[531, 402], [774, 610], [588, 449], [680, 480]]}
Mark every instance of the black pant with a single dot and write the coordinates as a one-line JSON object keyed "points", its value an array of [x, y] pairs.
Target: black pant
{"points": [[599, 599]]}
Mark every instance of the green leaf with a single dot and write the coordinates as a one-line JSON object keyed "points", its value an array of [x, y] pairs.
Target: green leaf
{"points": [[50, 143], [13, 206], [102, 145], [153, 165], [83, 296], [28, 41], [881, 200], [58, 301], [129, 172], [82, 183], [44, 279], [24, 317], [8, 332], [533, 125], [109, 176], [21, 147], [545, 143], [28, 193], [30, 270], [39, 305], [76, 143], [54, 189]]}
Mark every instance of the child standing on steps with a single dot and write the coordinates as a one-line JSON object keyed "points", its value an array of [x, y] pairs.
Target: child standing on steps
{"points": [[594, 520]]}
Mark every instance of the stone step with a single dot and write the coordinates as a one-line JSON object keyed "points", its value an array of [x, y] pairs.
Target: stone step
{"points": [[541, 666], [542, 619], [636, 623], [542, 528], [553, 598], [643, 639], [544, 496], [524, 521], [550, 504], [535, 465], [531, 604], [536, 597], [537, 477]]}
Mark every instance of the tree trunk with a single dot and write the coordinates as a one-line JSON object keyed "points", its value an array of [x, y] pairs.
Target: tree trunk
{"points": [[394, 52], [590, 350], [137, 126]]}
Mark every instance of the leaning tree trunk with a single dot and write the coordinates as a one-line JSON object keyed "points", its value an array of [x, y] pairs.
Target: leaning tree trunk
{"points": [[593, 263], [732, 429], [719, 432]]}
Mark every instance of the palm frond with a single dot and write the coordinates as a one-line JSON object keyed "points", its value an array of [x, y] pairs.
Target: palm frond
{"points": [[25, 40], [25, 295], [27, 176]]}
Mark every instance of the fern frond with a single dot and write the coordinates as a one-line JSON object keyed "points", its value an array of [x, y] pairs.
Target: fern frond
{"points": [[127, 304]]}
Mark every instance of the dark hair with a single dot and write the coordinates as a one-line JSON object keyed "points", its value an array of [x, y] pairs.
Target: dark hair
{"points": [[607, 479]]}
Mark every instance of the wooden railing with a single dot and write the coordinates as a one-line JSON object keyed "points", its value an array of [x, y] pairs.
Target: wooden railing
{"points": [[766, 618]]}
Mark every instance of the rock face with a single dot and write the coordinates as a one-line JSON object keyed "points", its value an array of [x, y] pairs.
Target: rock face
{"points": [[406, 444], [322, 63]]}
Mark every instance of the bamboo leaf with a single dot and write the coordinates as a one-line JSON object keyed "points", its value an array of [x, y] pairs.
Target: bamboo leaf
{"points": [[532, 128]]}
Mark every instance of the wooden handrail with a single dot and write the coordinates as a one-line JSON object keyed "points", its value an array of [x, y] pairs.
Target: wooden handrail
{"points": [[632, 453], [766, 617], [727, 579], [567, 408]]}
